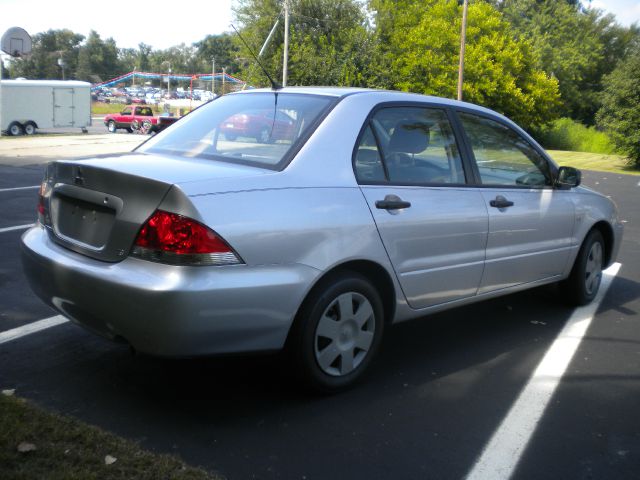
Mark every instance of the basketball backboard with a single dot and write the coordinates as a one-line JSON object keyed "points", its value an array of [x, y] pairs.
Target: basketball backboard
{"points": [[16, 42]]}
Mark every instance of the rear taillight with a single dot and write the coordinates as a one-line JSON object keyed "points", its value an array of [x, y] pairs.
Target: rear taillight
{"points": [[171, 238], [43, 193]]}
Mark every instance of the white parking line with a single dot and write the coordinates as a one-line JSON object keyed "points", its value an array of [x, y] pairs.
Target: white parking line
{"points": [[501, 455], [18, 188], [19, 227], [30, 328]]}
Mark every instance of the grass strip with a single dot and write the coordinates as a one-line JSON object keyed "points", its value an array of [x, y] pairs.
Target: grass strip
{"points": [[67, 449], [593, 161]]}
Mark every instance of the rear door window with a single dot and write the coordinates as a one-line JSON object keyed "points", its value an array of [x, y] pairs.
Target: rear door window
{"points": [[408, 145]]}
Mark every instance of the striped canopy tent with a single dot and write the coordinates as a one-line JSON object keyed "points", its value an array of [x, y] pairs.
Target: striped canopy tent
{"points": [[218, 77]]}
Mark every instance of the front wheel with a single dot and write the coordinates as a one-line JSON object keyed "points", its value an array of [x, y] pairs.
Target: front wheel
{"points": [[337, 332], [111, 126], [584, 281]]}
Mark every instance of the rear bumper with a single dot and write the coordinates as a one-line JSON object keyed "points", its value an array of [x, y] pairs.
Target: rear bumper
{"points": [[168, 310]]}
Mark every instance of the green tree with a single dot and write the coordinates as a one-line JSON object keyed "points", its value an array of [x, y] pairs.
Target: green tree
{"points": [[330, 43], [98, 59], [422, 48], [620, 111], [224, 48], [47, 48], [576, 45]]}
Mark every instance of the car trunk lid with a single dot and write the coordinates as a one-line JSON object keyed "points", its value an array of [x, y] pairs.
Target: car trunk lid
{"points": [[96, 207]]}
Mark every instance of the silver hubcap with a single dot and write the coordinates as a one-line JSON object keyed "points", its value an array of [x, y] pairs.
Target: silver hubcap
{"points": [[593, 270], [112, 127], [344, 334]]}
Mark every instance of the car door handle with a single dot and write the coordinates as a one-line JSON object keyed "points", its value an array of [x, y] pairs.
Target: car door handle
{"points": [[500, 202], [392, 202]]}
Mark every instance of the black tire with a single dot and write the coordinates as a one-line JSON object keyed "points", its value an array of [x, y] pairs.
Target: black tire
{"points": [[30, 128], [329, 365], [147, 127], [582, 285], [111, 126], [15, 129]]}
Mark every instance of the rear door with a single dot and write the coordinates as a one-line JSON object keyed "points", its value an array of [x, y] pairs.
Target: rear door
{"points": [[433, 226], [530, 222], [63, 107]]}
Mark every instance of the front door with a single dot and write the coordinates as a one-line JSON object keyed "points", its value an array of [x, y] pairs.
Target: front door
{"points": [[530, 222]]}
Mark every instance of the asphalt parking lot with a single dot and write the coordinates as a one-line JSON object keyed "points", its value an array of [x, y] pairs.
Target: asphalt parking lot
{"points": [[435, 397]]}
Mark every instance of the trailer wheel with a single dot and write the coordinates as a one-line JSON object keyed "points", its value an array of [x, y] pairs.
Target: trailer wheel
{"points": [[15, 129], [30, 128]]}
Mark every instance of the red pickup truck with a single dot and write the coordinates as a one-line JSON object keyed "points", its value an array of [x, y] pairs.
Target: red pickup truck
{"points": [[137, 117]]}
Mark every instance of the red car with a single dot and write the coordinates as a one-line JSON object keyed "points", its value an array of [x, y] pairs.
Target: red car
{"points": [[259, 124], [138, 114]]}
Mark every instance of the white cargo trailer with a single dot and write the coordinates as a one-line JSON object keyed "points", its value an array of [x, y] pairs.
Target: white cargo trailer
{"points": [[31, 104]]}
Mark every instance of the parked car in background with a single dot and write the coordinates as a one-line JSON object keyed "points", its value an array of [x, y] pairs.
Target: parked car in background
{"points": [[371, 208], [264, 125], [137, 115]]}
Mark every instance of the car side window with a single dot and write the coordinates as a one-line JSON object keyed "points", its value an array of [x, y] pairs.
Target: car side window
{"points": [[126, 111], [413, 145], [368, 163], [503, 156]]}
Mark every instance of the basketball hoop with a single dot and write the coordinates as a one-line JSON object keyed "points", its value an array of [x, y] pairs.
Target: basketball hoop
{"points": [[15, 42]]}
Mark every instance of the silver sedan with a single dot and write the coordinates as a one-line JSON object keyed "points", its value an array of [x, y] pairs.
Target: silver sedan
{"points": [[365, 209]]}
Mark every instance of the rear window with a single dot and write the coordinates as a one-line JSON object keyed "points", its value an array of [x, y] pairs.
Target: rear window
{"points": [[261, 129]]}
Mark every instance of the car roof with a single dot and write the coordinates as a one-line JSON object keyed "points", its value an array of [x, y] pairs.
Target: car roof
{"points": [[383, 96]]}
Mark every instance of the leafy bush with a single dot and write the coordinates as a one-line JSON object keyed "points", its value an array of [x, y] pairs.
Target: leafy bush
{"points": [[620, 111], [567, 134]]}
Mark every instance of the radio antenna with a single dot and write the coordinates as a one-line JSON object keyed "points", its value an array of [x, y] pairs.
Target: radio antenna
{"points": [[274, 85]]}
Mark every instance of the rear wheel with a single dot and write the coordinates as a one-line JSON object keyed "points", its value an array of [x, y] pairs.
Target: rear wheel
{"points": [[337, 332], [15, 129], [584, 281], [30, 128], [111, 126]]}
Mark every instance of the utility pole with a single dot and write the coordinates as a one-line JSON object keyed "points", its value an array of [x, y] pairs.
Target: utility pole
{"points": [[285, 59], [224, 74], [463, 41], [213, 75]]}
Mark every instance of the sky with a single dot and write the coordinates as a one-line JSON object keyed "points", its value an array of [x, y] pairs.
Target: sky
{"points": [[162, 23], [626, 11], [159, 23]]}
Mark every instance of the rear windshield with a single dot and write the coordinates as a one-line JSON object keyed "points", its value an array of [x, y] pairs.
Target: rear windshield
{"points": [[261, 129]]}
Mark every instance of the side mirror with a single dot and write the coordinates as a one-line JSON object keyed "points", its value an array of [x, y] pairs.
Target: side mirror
{"points": [[568, 177]]}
